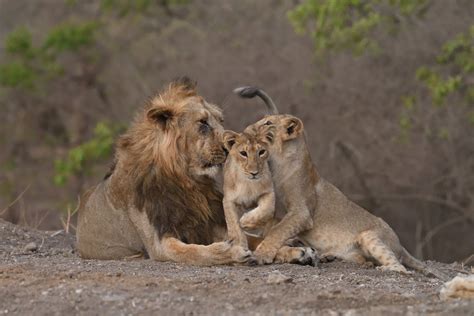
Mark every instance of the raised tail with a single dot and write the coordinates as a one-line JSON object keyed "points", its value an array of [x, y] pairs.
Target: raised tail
{"points": [[411, 262], [251, 92]]}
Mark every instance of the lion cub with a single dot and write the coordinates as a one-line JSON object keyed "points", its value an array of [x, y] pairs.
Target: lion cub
{"points": [[340, 228], [249, 198]]}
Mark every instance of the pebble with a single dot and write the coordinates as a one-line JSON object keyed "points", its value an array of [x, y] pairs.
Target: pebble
{"points": [[276, 277], [30, 247]]}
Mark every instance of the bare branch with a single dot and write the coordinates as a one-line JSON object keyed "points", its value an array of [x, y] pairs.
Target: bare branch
{"points": [[15, 200]]}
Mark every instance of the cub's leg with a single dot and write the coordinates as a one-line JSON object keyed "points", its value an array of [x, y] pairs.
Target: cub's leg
{"points": [[293, 223], [260, 215], [372, 245], [235, 234]]}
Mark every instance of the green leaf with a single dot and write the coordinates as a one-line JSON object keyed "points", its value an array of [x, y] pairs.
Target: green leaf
{"points": [[19, 43], [70, 37], [17, 74]]}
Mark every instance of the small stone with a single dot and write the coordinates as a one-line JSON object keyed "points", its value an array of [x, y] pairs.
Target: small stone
{"points": [[276, 277], [32, 246], [113, 297]]}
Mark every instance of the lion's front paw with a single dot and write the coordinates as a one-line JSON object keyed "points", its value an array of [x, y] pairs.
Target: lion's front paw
{"points": [[265, 255], [242, 255]]}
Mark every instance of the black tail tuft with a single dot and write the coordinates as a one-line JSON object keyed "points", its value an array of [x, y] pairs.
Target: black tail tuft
{"points": [[246, 92], [249, 92]]}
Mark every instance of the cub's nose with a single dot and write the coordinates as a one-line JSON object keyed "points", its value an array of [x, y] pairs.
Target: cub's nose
{"points": [[254, 174]]}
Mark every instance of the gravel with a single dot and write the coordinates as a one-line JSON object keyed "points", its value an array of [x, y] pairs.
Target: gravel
{"points": [[50, 279]]}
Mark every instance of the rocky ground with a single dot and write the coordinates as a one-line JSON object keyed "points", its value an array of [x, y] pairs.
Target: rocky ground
{"points": [[40, 274]]}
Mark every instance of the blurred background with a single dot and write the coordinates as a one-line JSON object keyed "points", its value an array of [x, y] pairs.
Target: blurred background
{"points": [[385, 89]]}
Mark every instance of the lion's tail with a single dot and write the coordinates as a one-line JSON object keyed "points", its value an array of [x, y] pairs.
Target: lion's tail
{"points": [[251, 92], [411, 262]]}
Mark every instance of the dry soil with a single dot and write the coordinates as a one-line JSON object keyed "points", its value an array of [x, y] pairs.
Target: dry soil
{"points": [[40, 274]]}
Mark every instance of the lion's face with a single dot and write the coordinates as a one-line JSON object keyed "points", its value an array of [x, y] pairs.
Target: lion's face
{"points": [[188, 130], [203, 137]]}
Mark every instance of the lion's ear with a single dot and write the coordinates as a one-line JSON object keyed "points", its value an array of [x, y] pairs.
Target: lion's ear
{"points": [[184, 83], [293, 128], [229, 139], [162, 117]]}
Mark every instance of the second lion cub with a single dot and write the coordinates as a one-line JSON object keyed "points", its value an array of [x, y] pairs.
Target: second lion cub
{"points": [[249, 198]]}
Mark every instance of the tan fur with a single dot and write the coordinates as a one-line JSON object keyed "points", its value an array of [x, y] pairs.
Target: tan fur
{"points": [[292, 187], [337, 226], [161, 197], [247, 184]]}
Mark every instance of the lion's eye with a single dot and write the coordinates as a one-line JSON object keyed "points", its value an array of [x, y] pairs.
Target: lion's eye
{"points": [[243, 153], [262, 152], [204, 127], [268, 123]]}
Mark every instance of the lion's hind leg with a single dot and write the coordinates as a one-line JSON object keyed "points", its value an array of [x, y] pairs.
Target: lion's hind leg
{"points": [[371, 244]]}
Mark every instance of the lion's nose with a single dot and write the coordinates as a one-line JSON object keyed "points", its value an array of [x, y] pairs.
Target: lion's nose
{"points": [[254, 174]]}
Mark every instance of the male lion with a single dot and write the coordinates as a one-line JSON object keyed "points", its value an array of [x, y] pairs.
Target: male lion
{"points": [[160, 199], [337, 227]]}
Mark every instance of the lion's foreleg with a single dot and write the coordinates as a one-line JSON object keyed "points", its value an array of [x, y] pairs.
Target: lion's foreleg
{"points": [[216, 253], [169, 248]]}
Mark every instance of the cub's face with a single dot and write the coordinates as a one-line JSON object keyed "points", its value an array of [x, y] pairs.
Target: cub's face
{"points": [[249, 152], [286, 128]]}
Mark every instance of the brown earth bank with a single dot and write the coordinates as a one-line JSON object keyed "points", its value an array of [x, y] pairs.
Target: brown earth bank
{"points": [[41, 274]]}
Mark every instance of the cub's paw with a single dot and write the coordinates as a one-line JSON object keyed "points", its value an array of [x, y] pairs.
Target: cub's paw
{"points": [[394, 268], [308, 256], [248, 221], [297, 255], [327, 258], [265, 255]]}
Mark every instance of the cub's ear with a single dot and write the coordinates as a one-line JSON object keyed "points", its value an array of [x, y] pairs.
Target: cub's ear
{"points": [[293, 128], [162, 117], [229, 139], [270, 134]]}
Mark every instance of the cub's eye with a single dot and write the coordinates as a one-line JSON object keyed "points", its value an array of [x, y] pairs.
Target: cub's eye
{"points": [[243, 153], [204, 127], [268, 123], [262, 152]]}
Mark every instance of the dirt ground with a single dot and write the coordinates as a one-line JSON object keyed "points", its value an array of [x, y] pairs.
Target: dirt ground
{"points": [[40, 274]]}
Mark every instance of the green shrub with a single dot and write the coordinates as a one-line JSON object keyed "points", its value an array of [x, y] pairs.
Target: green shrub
{"points": [[82, 157]]}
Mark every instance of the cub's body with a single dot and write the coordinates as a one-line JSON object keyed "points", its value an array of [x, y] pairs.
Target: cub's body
{"points": [[249, 199]]}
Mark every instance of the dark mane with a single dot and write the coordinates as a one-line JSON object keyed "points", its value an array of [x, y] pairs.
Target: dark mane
{"points": [[187, 213]]}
